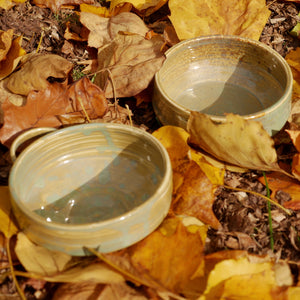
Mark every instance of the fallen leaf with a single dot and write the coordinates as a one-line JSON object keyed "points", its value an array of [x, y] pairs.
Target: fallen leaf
{"points": [[36, 71], [295, 137], [9, 59], [97, 10], [280, 182], [82, 98], [195, 196], [104, 30], [293, 59], [55, 5], [238, 141], [87, 290], [7, 4], [6, 38], [94, 273], [7, 225], [140, 5], [161, 254], [242, 279], [194, 18], [39, 260], [132, 62]]}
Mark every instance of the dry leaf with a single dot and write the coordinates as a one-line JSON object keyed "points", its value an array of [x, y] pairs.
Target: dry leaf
{"points": [[295, 137], [171, 254], [44, 107], [97, 10], [104, 30], [36, 71], [195, 196], [93, 291], [293, 59], [7, 4], [39, 260], [143, 6], [237, 141], [280, 182], [7, 225], [55, 5], [11, 54], [194, 18], [93, 272], [132, 61], [242, 278]]}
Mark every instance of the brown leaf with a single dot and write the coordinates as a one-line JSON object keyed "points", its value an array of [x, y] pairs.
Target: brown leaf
{"points": [[132, 61], [42, 108], [6, 38], [195, 197], [35, 72], [206, 17], [295, 137], [238, 141], [104, 30], [280, 182]]}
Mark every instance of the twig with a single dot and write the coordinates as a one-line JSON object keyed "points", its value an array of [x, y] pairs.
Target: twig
{"points": [[269, 213]]}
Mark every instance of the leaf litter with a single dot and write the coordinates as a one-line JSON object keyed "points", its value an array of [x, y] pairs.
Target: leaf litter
{"points": [[240, 218]]}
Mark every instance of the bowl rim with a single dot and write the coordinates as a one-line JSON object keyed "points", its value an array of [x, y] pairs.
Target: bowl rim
{"points": [[126, 129], [285, 93]]}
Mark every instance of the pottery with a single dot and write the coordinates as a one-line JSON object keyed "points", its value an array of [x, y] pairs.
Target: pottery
{"points": [[223, 74], [101, 186]]}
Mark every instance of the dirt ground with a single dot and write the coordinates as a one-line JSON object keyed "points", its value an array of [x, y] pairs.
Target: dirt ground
{"points": [[244, 217]]}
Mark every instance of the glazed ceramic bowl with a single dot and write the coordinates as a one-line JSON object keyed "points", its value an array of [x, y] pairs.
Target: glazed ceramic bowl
{"points": [[102, 186], [223, 74]]}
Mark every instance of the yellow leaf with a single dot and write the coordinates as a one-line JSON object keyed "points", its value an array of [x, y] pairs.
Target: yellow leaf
{"points": [[93, 273], [293, 293], [237, 141], [139, 4], [12, 59], [7, 226], [293, 59], [230, 17], [7, 4], [97, 10], [175, 140], [39, 260], [242, 279], [172, 254]]}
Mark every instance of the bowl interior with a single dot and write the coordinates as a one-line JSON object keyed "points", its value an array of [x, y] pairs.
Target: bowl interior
{"points": [[222, 75], [79, 176]]}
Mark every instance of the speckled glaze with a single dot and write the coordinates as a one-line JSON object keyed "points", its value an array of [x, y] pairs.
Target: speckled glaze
{"points": [[252, 68], [103, 186]]}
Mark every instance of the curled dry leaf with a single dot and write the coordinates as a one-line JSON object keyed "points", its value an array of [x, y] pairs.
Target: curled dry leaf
{"points": [[44, 108], [104, 30], [238, 141], [295, 136], [36, 71], [55, 5], [206, 17], [293, 59], [11, 54], [132, 61], [39, 260]]}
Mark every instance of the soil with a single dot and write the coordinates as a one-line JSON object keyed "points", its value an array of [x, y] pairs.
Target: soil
{"points": [[244, 216]]}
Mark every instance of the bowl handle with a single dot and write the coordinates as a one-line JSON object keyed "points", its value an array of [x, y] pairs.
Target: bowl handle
{"points": [[27, 135]]}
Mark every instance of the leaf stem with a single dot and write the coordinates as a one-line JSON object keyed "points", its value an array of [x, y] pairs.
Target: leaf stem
{"points": [[269, 213]]}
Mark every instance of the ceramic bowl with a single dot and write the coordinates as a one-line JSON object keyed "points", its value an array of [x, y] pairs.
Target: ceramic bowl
{"points": [[103, 186], [223, 74]]}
